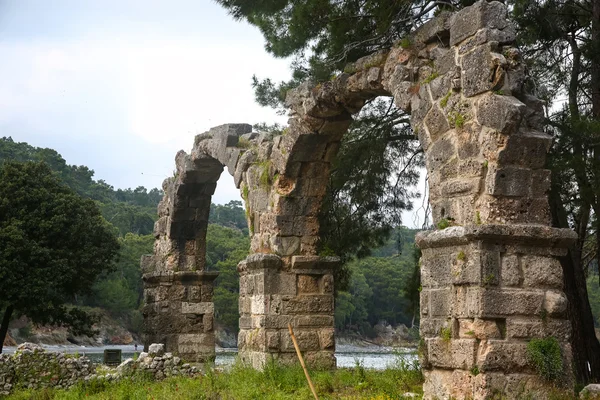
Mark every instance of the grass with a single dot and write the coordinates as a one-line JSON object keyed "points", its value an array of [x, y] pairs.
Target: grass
{"points": [[264, 178], [446, 334], [457, 119], [244, 143], [241, 382], [444, 100], [431, 77], [405, 43]]}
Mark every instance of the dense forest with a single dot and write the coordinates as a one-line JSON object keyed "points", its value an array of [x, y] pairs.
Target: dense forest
{"points": [[383, 286]]}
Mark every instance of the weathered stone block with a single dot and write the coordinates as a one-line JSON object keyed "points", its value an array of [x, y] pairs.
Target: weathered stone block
{"points": [[539, 272], [528, 328], [555, 303], [259, 304], [490, 303], [316, 304], [308, 284], [480, 328], [500, 355], [430, 327], [327, 339], [307, 340], [540, 183], [453, 353], [262, 261], [313, 321], [503, 114], [469, 20], [201, 345], [439, 154], [314, 262], [435, 271], [434, 30], [438, 383], [436, 122], [511, 274], [509, 181], [526, 149], [285, 245], [440, 301], [477, 71], [273, 340], [444, 60]]}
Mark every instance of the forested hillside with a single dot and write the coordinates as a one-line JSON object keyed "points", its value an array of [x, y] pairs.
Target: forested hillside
{"points": [[129, 210]]}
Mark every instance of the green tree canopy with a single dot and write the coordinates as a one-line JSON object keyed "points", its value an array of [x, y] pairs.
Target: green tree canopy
{"points": [[53, 246]]}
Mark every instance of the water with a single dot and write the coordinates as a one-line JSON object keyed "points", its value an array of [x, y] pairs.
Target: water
{"points": [[372, 357]]}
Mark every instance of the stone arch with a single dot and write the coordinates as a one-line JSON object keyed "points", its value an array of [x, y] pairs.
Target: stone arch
{"points": [[491, 281], [178, 289]]}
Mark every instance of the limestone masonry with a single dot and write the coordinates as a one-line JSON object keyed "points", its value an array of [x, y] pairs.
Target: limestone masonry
{"points": [[32, 367], [491, 281]]}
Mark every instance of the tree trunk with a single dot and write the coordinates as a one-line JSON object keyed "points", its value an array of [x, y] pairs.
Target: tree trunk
{"points": [[4, 325], [585, 345]]}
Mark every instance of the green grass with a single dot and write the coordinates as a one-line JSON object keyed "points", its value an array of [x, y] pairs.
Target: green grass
{"points": [[444, 100], [405, 43], [264, 178], [446, 334], [457, 119], [240, 382], [244, 143], [431, 77]]}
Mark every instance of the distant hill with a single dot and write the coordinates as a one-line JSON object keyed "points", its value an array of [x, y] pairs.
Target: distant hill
{"points": [[129, 210]]}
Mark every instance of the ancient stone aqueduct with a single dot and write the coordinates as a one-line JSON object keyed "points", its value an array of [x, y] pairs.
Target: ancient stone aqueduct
{"points": [[490, 283]]}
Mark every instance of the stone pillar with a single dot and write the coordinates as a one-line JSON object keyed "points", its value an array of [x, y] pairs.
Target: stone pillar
{"points": [[274, 294], [487, 291], [178, 309], [179, 312]]}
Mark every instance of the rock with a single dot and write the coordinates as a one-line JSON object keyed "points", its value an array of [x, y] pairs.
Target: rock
{"points": [[27, 346], [143, 355], [9, 341], [126, 365], [156, 349], [590, 392]]}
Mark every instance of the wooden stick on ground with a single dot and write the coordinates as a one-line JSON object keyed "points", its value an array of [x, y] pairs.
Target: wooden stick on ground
{"points": [[312, 388]]}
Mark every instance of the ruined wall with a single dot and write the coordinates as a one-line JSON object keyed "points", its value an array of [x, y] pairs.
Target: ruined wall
{"points": [[282, 283], [491, 280]]}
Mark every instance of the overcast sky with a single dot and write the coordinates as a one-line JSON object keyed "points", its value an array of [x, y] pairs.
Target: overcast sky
{"points": [[122, 85]]}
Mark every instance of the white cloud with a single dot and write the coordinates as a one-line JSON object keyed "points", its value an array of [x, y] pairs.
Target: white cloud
{"points": [[94, 93]]}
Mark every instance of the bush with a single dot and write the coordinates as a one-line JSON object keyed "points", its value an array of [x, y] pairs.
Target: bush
{"points": [[546, 357]]}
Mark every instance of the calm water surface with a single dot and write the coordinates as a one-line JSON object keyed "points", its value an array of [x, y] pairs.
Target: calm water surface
{"points": [[373, 357]]}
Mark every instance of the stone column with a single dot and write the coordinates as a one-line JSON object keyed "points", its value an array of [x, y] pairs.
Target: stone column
{"points": [[178, 309], [487, 291], [179, 312], [273, 295]]}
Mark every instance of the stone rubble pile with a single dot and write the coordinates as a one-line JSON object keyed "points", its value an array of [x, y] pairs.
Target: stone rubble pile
{"points": [[32, 367]]}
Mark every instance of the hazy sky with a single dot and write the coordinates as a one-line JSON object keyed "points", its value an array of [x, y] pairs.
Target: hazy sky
{"points": [[121, 86]]}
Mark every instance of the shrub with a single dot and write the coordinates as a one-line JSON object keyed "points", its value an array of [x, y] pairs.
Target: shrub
{"points": [[546, 357]]}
